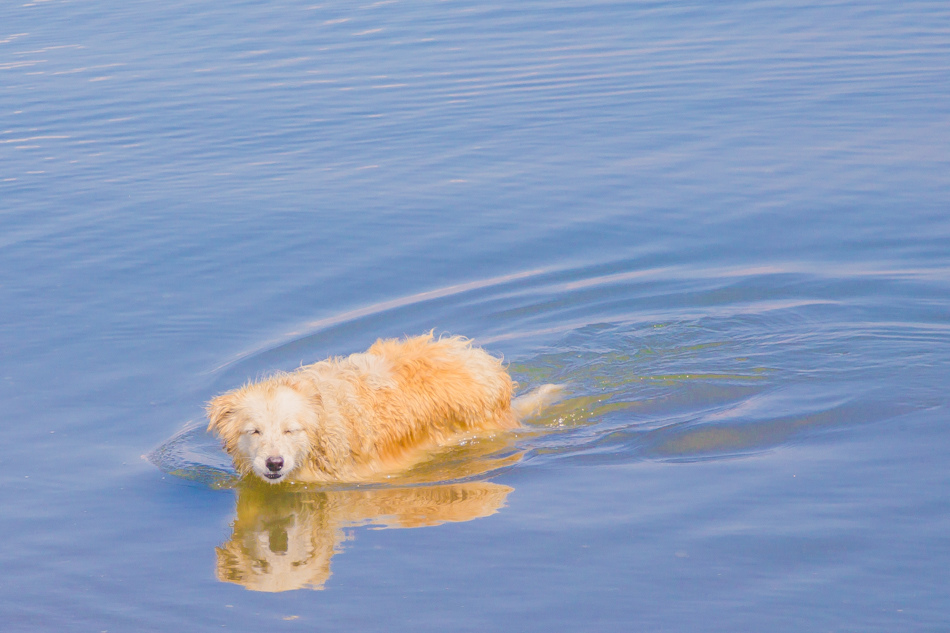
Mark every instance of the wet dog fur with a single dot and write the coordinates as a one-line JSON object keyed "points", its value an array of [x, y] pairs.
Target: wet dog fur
{"points": [[361, 417]]}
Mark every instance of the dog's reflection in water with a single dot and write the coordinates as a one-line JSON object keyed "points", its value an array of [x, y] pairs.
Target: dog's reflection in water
{"points": [[285, 540]]}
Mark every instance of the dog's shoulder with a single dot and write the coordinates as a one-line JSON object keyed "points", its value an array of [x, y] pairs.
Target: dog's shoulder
{"points": [[374, 371]]}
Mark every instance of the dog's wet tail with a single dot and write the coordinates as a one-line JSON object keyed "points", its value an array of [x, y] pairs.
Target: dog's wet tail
{"points": [[535, 400]]}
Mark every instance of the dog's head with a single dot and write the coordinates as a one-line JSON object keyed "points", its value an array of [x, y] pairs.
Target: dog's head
{"points": [[265, 427]]}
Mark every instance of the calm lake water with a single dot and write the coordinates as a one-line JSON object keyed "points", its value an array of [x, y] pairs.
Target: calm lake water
{"points": [[724, 226]]}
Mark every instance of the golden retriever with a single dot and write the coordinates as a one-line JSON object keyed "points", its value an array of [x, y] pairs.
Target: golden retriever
{"points": [[360, 418]]}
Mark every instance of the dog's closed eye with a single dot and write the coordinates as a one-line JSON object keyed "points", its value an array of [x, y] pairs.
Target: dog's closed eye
{"points": [[292, 431], [252, 432]]}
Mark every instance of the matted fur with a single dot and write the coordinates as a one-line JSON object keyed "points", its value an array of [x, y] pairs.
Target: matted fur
{"points": [[360, 417]]}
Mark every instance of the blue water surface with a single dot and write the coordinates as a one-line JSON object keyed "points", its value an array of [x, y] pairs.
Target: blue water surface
{"points": [[723, 226]]}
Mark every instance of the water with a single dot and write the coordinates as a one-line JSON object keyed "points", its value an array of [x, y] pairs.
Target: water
{"points": [[723, 226]]}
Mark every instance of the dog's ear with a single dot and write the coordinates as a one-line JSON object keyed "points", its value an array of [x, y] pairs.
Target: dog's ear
{"points": [[308, 393], [220, 410]]}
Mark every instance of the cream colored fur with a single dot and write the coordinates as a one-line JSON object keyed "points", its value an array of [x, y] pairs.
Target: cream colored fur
{"points": [[362, 417]]}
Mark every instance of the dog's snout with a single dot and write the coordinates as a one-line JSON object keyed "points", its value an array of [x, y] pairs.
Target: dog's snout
{"points": [[274, 463]]}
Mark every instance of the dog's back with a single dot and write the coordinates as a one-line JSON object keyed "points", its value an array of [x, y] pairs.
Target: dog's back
{"points": [[446, 385]]}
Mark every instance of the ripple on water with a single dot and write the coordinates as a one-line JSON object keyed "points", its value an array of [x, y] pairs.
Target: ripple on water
{"points": [[735, 362]]}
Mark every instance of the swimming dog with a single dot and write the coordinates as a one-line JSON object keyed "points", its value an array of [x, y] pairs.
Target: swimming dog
{"points": [[361, 417]]}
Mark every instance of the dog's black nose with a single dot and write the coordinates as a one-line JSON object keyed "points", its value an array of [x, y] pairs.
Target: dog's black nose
{"points": [[274, 463]]}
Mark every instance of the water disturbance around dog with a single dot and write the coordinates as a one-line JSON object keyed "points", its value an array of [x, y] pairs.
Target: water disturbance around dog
{"points": [[723, 227], [636, 387]]}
